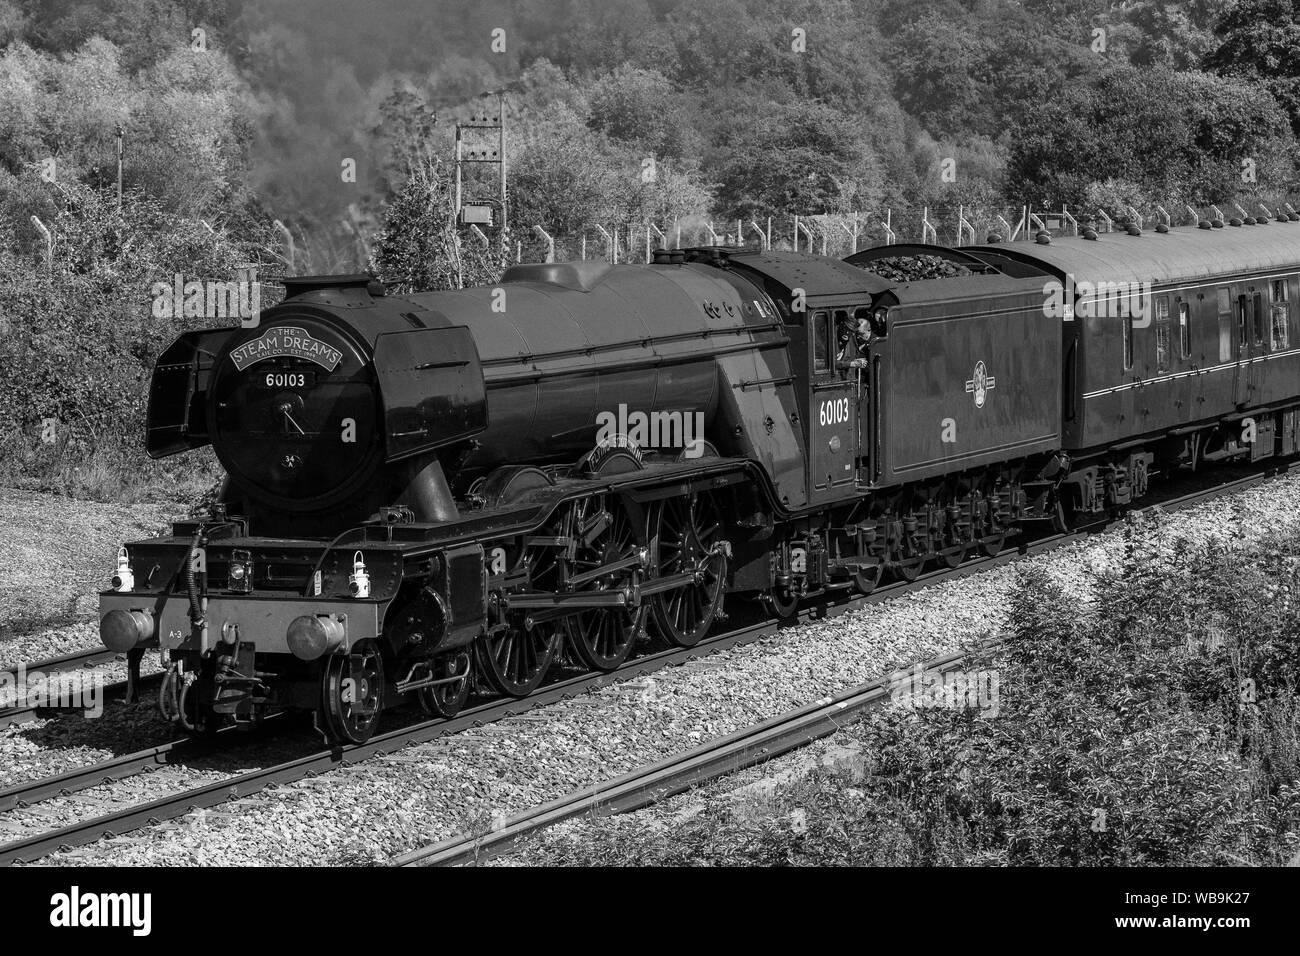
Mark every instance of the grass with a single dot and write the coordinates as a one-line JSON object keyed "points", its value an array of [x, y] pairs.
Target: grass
{"points": [[65, 509], [111, 473]]}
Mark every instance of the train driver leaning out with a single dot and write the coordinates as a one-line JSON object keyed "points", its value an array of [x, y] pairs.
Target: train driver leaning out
{"points": [[853, 336]]}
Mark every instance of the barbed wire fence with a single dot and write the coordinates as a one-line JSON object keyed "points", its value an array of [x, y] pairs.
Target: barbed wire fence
{"points": [[841, 235]]}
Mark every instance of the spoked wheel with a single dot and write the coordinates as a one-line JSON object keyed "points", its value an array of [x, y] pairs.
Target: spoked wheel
{"points": [[446, 700], [687, 539], [867, 577], [906, 555], [1062, 516], [518, 650], [352, 692], [993, 545], [993, 533], [954, 544], [606, 534]]}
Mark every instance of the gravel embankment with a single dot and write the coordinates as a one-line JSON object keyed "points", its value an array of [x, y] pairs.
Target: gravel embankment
{"points": [[432, 791], [751, 795], [57, 553]]}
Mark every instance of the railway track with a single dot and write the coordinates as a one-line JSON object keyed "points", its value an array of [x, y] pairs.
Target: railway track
{"points": [[171, 806], [62, 663], [666, 778], [10, 674], [116, 691]]}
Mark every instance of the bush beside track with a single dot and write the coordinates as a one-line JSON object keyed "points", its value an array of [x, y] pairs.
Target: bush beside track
{"points": [[1126, 735]]}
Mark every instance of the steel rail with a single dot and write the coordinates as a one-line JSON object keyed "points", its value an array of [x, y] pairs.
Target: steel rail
{"points": [[25, 713], [11, 674], [64, 662], [666, 778]]}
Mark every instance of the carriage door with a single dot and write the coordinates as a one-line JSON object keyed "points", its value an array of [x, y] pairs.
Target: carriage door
{"points": [[1241, 372], [834, 406]]}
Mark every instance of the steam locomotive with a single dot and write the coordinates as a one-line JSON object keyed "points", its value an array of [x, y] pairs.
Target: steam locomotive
{"points": [[442, 492]]}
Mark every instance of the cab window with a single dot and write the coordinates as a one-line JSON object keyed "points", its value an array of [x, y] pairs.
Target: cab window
{"points": [[821, 341]]}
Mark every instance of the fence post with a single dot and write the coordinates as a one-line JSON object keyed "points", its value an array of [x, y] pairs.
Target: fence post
{"points": [[889, 231], [851, 233], [763, 241], [796, 233], [1196, 216], [963, 225], [481, 235], [49, 242], [806, 231], [609, 242], [288, 241], [1106, 219], [550, 242], [1164, 215], [1074, 223], [662, 237], [1022, 223], [927, 229]]}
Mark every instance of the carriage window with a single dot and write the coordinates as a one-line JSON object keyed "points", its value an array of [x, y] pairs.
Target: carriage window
{"points": [[821, 333], [1243, 329], [1281, 316], [1257, 317], [1162, 334], [1184, 331], [1225, 325], [1128, 341]]}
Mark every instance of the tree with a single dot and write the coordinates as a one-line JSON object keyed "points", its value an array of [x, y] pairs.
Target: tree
{"points": [[642, 109], [1260, 42], [794, 158], [1175, 137]]}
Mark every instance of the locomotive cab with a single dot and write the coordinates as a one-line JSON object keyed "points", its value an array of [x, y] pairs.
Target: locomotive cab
{"points": [[838, 371]]}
